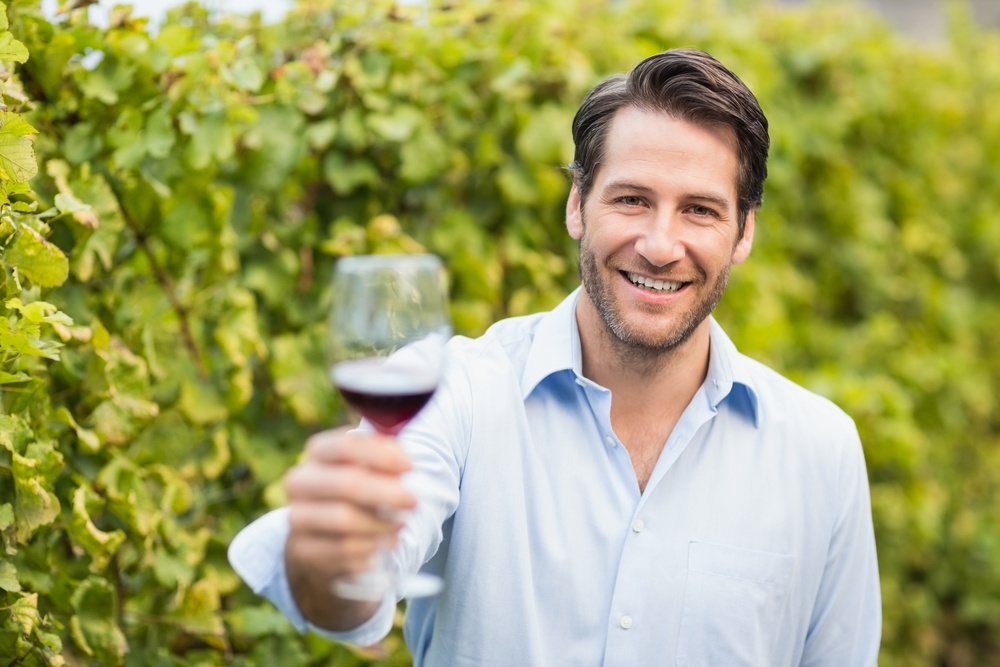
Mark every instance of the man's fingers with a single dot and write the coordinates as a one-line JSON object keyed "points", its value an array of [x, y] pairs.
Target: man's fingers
{"points": [[370, 450], [338, 556], [313, 483], [339, 521]]}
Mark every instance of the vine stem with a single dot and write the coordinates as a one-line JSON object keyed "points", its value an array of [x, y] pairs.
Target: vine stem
{"points": [[161, 276]]}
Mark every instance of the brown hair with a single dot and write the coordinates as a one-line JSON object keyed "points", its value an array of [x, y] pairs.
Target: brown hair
{"points": [[686, 84]]}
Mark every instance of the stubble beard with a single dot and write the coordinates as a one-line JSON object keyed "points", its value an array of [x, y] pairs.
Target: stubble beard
{"points": [[640, 348]]}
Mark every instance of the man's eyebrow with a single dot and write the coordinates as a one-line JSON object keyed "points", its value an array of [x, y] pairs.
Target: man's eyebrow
{"points": [[619, 186], [720, 202]]}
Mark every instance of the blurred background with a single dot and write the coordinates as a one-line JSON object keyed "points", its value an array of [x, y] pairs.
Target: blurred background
{"points": [[177, 181], [918, 18]]}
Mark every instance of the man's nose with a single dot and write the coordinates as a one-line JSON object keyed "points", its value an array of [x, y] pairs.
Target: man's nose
{"points": [[660, 242]]}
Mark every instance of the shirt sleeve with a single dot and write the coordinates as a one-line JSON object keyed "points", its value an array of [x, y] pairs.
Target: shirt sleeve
{"points": [[257, 555], [846, 625]]}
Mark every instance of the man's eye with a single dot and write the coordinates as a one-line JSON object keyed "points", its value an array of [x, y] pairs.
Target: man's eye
{"points": [[631, 200], [702, 210]]}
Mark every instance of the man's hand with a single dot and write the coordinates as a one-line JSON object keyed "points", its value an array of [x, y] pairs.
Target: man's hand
{"points": [[342, 498]]}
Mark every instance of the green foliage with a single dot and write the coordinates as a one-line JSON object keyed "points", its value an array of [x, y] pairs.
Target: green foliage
{"points": [[171, 205]]}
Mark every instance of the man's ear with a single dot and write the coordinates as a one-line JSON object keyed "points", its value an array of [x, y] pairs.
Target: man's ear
{"points": [[574, 214], [742, 250]]}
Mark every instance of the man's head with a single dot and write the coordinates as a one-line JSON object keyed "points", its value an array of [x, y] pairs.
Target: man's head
{"points": [[688, 85]]}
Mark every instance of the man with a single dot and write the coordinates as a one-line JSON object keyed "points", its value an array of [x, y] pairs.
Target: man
{"points": [[611, 483]]}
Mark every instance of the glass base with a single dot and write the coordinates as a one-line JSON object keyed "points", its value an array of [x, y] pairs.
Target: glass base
{"points": [[374, 585]]}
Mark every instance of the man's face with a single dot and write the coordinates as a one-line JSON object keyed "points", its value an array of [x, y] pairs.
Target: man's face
{"points": [[658, 230]]}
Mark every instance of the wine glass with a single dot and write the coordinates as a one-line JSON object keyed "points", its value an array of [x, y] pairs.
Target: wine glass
{"points": [[386, 338]]}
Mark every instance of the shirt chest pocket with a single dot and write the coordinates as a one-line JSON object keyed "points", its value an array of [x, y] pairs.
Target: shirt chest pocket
{"points": [[732, 606]]}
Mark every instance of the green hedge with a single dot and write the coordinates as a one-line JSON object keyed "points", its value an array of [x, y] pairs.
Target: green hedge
{"points": [[165, 279]]}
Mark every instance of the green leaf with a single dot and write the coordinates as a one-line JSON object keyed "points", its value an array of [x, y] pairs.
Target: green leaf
{"points": [[201, 403], [35, 505], [87, 438], [346, 174], [98, 544], [13, 378], [24, 613], [246, 75], [198, 611], [11, 49], [297, 364], [160, 137], [38, 312], [259, 621], [117, 419], [425, 157], [93, 627], [129, 497], [6, 516], [17, 157], [38, 260], [8, 577]]}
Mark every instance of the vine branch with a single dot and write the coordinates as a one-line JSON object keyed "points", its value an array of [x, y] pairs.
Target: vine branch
{"points": [[160, 274]]}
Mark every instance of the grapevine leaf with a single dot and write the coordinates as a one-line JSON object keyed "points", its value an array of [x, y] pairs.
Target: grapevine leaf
{"points": [[123, 483], [6, 516], [24, 612], [119, 418], [15, 433], [38, 260], [11, 49], [17, 157], [100, 545], [11, 378], [160, 137], [297, 366], [88, 439], [344, 174], [259, 621], [35, 505], [8, 577], [38, 312], [245, 74], [201, 403], [93, 627], [198, 613]]}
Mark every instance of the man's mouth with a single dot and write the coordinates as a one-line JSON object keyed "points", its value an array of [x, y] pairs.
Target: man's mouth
{"points": [[655, 285]]}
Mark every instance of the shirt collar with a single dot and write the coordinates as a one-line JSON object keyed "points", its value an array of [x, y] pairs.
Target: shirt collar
{"points": [[556, 345], [556, 348], [729, 370]]}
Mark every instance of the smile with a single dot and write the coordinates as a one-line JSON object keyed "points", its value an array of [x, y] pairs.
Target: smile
{"points": [[664, 286]]}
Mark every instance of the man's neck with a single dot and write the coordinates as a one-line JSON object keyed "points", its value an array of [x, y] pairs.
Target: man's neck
{"points": [[649, 389]]}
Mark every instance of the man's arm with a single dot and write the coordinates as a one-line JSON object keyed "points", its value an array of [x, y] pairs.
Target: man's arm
{"points": [[846, 626]]}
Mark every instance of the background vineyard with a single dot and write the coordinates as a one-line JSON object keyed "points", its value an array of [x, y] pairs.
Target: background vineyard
{"points": [[171, 205]]}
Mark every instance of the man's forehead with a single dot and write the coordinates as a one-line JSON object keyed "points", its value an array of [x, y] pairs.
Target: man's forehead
{"points": [[644, 145]]}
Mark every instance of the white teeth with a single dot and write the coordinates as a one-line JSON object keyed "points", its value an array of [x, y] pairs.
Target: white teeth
{"points": [[658, 285]]}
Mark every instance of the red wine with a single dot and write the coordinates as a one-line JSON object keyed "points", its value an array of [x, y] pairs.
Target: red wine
{"points": [[387, 397]]}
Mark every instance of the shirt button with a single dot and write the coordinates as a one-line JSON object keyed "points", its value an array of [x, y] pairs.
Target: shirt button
{"points": [[638, 525], [610, 440], [625, 621]]}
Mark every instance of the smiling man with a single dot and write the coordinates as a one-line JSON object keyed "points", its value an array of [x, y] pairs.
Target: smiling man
{"points": [[610, 483]]}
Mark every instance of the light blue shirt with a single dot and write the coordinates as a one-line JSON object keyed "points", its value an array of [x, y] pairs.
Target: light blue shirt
{"points": [[751, 545]]}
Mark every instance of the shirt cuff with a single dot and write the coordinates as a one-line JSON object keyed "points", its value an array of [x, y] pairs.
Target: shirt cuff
{"points": [[257, 554]]}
